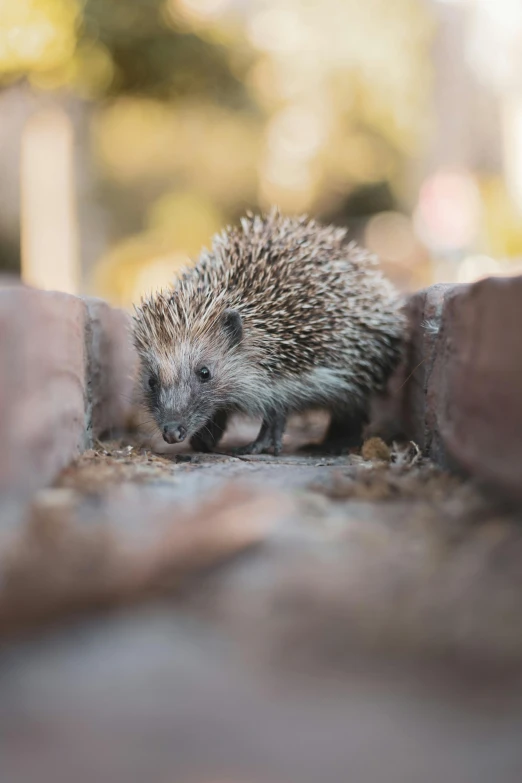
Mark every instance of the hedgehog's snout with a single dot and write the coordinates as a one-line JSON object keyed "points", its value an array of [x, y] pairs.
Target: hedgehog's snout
{"points": [[173, 432]]}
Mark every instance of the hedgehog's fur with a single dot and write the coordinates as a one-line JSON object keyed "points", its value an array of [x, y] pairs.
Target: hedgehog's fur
{"points": [[286, 316]]}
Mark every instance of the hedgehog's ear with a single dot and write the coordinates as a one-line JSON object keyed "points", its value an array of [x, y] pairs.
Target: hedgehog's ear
{"points": [[233, 326]]}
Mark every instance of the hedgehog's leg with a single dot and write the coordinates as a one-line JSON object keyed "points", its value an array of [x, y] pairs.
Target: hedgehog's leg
{"points": [[270, 436], [278, 428], [207, 438], [345, 431]]}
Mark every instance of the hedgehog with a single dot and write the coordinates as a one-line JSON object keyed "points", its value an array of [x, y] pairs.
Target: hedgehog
{"points": [[282, 315]]}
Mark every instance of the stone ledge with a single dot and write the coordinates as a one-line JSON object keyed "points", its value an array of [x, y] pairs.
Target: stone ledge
{"points": [[462, 404], [112, 366], [65, 364]]}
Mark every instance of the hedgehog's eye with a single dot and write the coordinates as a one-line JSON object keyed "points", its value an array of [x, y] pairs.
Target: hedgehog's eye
{"points": [[203, 374], [153, 383]]}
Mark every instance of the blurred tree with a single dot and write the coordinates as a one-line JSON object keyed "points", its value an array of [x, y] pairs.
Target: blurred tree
{"points": [[114, 48], [96, 52], [234, 104], [152, 56], [353, 210], [9, 255]]}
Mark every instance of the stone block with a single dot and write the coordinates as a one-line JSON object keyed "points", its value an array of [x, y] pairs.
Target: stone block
{"points": [[111, 368], [462, 400], [479, 402], [42, 386], [66, 375]]}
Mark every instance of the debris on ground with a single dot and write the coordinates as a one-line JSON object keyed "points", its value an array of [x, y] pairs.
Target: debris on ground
{"points": [[375, 450]]}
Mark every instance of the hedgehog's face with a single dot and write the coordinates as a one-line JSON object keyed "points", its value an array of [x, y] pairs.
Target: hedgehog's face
{"points": [[185, 386]]}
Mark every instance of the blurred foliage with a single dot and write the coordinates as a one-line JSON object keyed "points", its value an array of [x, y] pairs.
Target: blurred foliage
{"points": [[202, 108], [106, 48], [36, 35], [9, 255], [151, 56], [501, 219]]}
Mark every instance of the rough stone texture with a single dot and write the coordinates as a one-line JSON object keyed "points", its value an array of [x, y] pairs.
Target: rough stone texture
{"points": [[423, 374], [461, 403], [480, 401], [66, 369], [408, 409], [112, 364], [42, 394]]}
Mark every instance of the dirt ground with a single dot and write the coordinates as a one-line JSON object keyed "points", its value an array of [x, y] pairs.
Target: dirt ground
{"points": [[408, 555], [244, 587]]}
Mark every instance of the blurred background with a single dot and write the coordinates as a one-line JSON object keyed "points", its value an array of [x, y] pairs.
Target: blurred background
{"points": [[131, 131]]}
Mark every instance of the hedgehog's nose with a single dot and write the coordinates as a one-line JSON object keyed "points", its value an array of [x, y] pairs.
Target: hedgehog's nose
{"points": [[174, 433]]}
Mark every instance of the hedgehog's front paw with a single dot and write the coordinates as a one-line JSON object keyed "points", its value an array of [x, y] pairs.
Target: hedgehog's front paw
{"points": [[269, 440]]}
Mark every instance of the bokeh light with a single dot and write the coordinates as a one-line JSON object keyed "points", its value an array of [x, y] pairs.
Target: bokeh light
{"points": [[49, 240], [200, 9], [448, 210], [36, 36], [185, 113], [390, 235]]}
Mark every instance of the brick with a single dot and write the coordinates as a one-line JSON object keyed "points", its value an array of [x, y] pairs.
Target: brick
{"points": [[111, 368], [480, 404], [405, 412], [462, 401], [42, 386], [66, 375], [421, 384]]}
